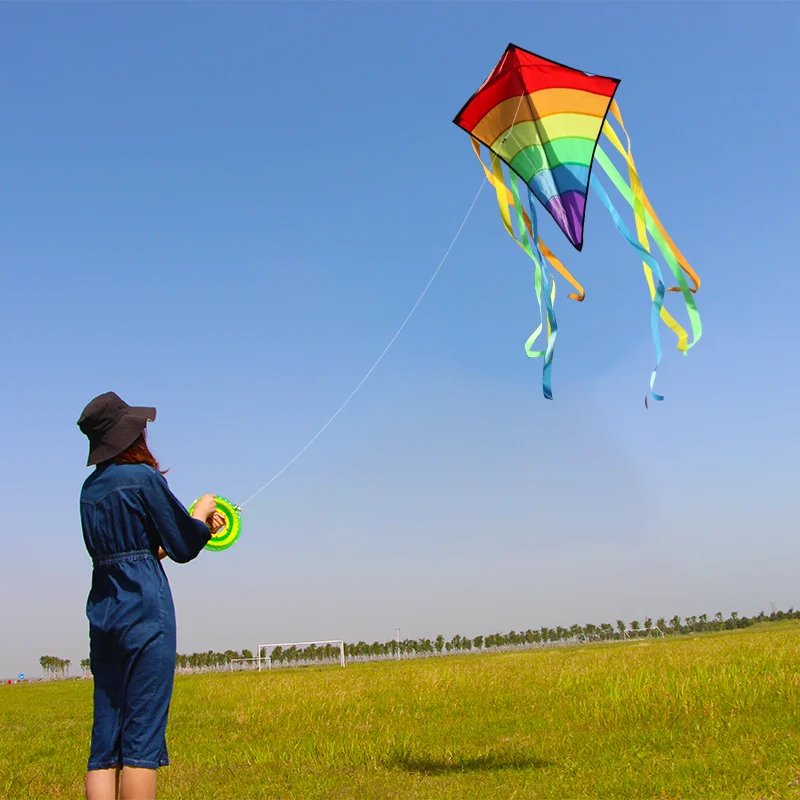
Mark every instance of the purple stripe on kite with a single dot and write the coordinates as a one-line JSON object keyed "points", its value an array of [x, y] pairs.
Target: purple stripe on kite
{"points": [[568, 210]]}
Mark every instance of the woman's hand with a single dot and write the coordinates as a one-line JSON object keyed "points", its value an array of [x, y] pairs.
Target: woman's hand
{"points": [[217, 522], [205, 507]]}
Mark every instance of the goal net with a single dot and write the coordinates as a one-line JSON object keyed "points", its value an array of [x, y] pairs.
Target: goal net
{"points": [[239, 664], [300, 654]]}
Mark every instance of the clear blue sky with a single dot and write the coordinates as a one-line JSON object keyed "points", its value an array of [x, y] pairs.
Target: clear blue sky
{"points": [[226, 210]]}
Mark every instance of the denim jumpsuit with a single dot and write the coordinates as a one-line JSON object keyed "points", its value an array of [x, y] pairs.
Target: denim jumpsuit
{"points": [[127, 511]]}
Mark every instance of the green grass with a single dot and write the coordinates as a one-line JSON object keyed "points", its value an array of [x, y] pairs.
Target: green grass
{"points": [[702, 716]]}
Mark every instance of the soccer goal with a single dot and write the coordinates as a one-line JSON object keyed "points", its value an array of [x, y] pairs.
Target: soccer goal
{"points": [[238, 664], [300, 653]]}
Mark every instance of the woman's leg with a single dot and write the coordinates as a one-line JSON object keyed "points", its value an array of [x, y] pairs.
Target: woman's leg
{"points": [[138, 784], [102, 784], [149, 681], [102, 777]]}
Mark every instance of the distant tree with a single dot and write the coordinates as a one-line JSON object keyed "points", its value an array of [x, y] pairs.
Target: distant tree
{"points": [[54, 667], [545, 634]]}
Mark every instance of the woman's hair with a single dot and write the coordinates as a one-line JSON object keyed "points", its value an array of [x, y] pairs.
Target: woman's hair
{"points": [[139, 453]]}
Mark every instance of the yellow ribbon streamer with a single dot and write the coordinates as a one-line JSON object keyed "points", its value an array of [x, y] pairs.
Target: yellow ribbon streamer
{"points": [[504, 199], [641, 227], [639, 193]]}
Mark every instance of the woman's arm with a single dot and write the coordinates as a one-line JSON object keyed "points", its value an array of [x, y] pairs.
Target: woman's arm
{"points": [[180, 535], [215, 523]]}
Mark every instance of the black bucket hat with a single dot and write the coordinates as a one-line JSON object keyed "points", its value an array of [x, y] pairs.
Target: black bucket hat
{"points": [[112, 426]]}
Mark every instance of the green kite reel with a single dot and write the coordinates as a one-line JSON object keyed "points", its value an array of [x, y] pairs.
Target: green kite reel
{"points": [[228, 533]]}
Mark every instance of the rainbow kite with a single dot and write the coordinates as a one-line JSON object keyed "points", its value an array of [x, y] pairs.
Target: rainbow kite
{"points": [[544, 120]]}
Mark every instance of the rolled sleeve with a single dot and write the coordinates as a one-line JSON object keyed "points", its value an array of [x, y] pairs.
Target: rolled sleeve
{"points": [[182, 536]]}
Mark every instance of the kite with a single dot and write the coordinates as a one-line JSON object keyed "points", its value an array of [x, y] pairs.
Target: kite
{"points": [[228, 533], [544, 121]]}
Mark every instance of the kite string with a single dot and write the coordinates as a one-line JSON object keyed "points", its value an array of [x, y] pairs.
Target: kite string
{"points": [[380, 357]]}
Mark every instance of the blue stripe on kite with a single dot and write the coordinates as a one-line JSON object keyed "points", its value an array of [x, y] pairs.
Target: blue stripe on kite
{"points": [[549, 183]]}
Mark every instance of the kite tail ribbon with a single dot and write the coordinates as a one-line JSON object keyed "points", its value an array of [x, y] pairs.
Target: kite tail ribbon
{"points": [[648, 222], [552, 326], [549, 296], [638, 190], [650, 264], [538, 252], [524, 243]]}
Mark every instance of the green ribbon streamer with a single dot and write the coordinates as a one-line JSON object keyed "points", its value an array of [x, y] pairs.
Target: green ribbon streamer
{"points": [[625, 190]]}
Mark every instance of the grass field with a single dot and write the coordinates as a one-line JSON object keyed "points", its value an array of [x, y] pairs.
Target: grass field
{"points": [[702, 716]]}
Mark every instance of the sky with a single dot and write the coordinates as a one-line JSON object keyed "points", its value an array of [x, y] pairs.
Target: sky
{"points": [[227, 211]]}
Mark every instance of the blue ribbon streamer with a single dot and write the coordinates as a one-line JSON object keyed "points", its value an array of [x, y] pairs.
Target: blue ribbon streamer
{"points": [[658, 300], [551, 341], [535, 254]]}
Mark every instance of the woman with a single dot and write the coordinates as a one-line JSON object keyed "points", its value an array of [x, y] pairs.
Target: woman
{"points": [[131, 520]]}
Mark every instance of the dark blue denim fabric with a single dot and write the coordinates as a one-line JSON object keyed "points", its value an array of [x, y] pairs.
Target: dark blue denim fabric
{"points": [[127, 511]]}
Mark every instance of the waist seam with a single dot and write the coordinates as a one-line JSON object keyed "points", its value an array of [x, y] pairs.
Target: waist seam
{"points": [[122, 558]]}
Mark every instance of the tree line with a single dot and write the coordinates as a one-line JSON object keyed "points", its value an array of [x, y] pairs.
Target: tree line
{"points": [[531, 638], [54, 667], [420, 648]]}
